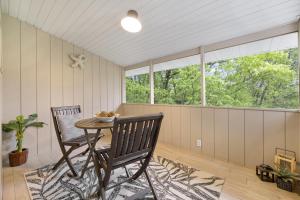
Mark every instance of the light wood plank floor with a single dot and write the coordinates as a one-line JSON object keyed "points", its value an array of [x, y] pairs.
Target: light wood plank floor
{"points": [[240, 183]]}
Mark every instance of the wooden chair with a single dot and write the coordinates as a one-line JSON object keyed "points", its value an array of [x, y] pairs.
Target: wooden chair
{"points": [[133, 140], [73, 143]]}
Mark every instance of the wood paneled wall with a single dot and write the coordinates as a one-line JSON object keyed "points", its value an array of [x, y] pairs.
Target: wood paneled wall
{"points": [[1, 107], [37, 75], [245, 137]]}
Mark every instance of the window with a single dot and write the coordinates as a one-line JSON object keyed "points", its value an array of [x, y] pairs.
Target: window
{"points": [[177, 81], [257, 74], [262, 74], [137, 85]]}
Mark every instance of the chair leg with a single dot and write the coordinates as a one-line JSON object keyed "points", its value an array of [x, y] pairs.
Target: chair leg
{"points": [[150, 184], [103, 194], [71, 166], [85, 151], [126, 170], [141, 170], [66, 157], [85, 166], [62, 159], [101, 191], [88, 149]]}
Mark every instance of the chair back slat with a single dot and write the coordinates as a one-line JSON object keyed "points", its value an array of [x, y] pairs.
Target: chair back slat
{"points": [[131, 136], [120, 140], [134, 136], [148, 135], [150, 139], [126, 138], [145, 133]]}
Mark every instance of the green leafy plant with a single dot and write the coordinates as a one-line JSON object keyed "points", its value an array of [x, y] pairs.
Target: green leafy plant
{"points": [[285, 174], [267, 80], [20, 125]]}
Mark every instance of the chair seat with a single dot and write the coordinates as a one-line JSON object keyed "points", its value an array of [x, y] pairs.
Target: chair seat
{"points": [[102, 155], [80, 141]]}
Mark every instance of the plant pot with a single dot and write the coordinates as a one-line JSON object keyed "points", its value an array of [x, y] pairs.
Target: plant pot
{"points": [[18, 158], [285, 185]]}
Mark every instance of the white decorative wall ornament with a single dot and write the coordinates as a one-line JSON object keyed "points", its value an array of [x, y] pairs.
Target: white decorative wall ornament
{"points": [[79, 61]]}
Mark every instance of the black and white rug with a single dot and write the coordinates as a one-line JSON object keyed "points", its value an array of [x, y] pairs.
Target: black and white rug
{"points": [[171, 180]]}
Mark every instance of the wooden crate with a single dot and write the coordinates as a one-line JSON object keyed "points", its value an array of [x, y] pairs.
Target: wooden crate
{"points": [[285, 158]]}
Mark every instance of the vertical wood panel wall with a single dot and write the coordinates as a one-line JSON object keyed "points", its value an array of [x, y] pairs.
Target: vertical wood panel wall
{"points": [[1, 107], [37, 75], [245, 137]]}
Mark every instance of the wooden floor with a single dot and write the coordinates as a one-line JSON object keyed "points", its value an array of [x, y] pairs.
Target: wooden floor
{"points": [[240, 183]]}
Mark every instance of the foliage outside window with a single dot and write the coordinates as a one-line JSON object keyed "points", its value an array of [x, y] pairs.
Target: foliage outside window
{"points": [[137, 86], [268, 80], [261, 74], [178, 81]]}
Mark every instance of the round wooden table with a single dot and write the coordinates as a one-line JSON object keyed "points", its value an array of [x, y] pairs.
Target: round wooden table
{"points": [[92, 124]]}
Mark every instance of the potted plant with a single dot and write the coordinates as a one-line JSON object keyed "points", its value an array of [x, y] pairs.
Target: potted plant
{"points": [[20, 124], [285, 179]]}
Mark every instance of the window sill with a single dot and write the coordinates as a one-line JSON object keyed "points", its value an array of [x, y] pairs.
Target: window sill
{"points": [[218, 107]]}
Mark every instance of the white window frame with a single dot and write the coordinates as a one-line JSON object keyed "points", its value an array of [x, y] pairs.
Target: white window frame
{"points": [[277, 31]]}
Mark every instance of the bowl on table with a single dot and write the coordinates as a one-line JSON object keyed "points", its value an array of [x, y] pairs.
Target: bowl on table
{"points": [[106, 116]]}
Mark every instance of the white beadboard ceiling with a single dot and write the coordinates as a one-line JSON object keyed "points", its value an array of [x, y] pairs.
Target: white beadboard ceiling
{"points": [[169, 26]]}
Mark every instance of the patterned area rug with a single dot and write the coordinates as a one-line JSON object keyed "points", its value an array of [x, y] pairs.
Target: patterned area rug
{"points": [[171, 180]]}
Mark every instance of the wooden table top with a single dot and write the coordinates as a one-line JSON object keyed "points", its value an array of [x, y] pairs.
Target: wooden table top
{"points": [[93, 123]]}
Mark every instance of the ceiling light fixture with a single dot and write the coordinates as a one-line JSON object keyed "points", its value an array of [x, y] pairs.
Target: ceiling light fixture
{"points": [[131, 23]]}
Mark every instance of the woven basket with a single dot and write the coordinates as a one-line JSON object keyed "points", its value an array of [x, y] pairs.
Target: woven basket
{"points": [[288, 186]]}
